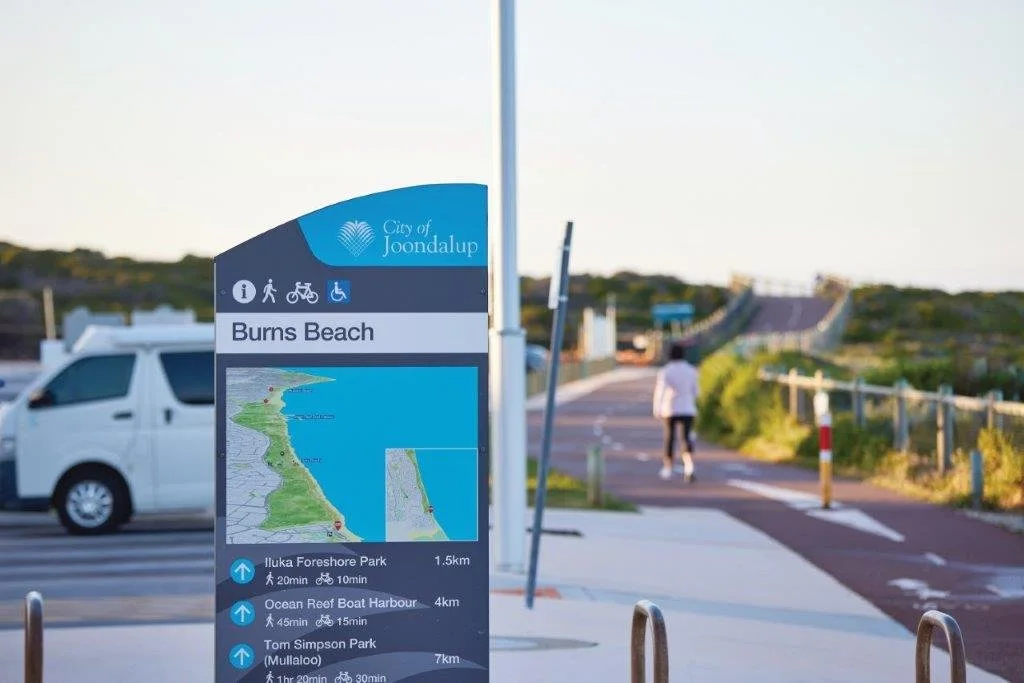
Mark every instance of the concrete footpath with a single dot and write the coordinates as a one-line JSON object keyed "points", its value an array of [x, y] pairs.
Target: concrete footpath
{"points": [[739, 607]]}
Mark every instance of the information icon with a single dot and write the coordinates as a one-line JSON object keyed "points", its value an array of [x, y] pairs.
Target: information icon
{"points": [[244, 291], [243, 613]]}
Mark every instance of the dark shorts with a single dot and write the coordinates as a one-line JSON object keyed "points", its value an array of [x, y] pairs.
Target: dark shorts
{"points": [[670, 433]]}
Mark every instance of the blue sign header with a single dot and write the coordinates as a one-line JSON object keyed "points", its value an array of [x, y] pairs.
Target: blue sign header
{"points": [[672, 312], [442, 225]]}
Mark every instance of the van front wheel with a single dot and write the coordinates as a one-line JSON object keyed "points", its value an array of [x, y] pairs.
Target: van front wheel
{"points": [[91, 502]]}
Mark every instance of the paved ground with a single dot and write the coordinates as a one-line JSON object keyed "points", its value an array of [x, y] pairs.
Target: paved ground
{"points": [[156, 570], [791, 624], [787, 313], [904, 557]]}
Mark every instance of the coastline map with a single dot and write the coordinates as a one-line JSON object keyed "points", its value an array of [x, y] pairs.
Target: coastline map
{"points": [[351, 454]]}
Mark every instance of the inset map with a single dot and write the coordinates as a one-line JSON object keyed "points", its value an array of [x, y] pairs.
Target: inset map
{"points": [[311, 454], [431, 494]]}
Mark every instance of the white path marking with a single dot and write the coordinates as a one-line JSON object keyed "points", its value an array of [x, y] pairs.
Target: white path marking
{"points": [[810, 504], [739, 468], [935, 559], [856, 519], [919, 588], [571, 391], [643, 457], [1006, 593]]}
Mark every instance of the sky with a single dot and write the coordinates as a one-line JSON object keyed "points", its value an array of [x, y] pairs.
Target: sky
{"points": [[880, 140]]}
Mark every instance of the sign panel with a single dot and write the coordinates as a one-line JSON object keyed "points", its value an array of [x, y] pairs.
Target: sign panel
{"points": [[352, 507], [674, 312]]}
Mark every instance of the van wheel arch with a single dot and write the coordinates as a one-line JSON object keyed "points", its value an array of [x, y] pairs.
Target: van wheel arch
{"points": [[124, 506]]}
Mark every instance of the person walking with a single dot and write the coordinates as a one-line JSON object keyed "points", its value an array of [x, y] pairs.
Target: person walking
{"points": [[676, 391]]}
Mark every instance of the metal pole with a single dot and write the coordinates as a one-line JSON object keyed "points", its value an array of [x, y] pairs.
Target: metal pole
{"points": [[49, 319], [33, 638], [977, 479], [508, 340], [954, 639], [595, 476], [549, 412], [643, 611], [944, 429]]}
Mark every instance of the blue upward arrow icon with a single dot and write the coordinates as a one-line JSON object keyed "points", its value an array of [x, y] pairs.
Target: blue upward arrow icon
{"points": [[242, 570], [241, 656]]}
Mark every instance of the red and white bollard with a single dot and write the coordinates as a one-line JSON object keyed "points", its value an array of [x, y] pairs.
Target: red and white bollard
{"points": [[824, 447], [825, 459]]}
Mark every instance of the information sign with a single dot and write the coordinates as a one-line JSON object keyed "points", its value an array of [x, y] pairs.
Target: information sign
{"points": [[352, 507]]}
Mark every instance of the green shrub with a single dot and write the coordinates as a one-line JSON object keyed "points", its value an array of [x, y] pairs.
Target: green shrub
{"points": [[739, 410], [715, 374], [745, 403], [1004, 467]]}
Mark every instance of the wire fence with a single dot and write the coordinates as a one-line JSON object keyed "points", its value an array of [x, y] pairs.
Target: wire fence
{"points": [[935, 423]]}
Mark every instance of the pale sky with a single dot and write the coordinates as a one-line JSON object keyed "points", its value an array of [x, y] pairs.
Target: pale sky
{"points": [[882, 140]]}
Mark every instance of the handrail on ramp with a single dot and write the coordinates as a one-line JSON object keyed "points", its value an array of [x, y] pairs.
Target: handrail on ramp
{"points": [[931, 620], [33, 638], [645, 611]]}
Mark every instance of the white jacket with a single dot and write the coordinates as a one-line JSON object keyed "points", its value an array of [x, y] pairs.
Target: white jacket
{"points": [[676, 390]]}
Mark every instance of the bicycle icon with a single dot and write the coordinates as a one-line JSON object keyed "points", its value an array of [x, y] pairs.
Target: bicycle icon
{"points": [[324, 620], [325, 579], [304, 291], [343, 677]]}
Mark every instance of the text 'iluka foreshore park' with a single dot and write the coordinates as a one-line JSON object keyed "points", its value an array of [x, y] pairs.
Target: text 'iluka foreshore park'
{"points": [[351, 511]]}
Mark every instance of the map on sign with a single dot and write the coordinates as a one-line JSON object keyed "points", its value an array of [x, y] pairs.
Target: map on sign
{"points": [[351, 454]]}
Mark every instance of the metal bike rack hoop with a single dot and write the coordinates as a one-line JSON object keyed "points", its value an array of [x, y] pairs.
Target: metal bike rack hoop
{"points": [[33, 638], [645, 611], [954, 639]]}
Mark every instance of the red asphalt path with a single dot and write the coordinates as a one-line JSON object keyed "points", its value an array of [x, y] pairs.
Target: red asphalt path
{"points": [[947, 561]]}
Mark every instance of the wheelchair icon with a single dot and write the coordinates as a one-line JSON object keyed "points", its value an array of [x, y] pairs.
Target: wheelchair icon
{"points": [[339, 291]]}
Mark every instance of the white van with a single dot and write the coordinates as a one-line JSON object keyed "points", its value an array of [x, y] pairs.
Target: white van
{"points": [[123, 425]]}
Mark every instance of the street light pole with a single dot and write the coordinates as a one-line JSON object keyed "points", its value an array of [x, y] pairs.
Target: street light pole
{"points": [[508, 340]]}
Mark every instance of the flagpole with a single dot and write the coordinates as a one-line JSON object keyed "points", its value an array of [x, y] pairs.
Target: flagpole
{"points": [[508, 340]]}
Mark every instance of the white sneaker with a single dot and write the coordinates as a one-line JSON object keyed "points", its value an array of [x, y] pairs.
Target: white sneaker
{"points": [[665, 473]]}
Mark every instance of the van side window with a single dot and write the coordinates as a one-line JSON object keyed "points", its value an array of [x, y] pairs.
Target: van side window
{"points": [[94, 378], [190, 374]]}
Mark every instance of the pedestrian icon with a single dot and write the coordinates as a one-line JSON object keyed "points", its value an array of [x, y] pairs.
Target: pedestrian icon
{"points": [[243, 613], [244, 291], [242, 570], [241, 656], [270, 578], [269, 291], [270, 621], [270, 677], [339, 291]]}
